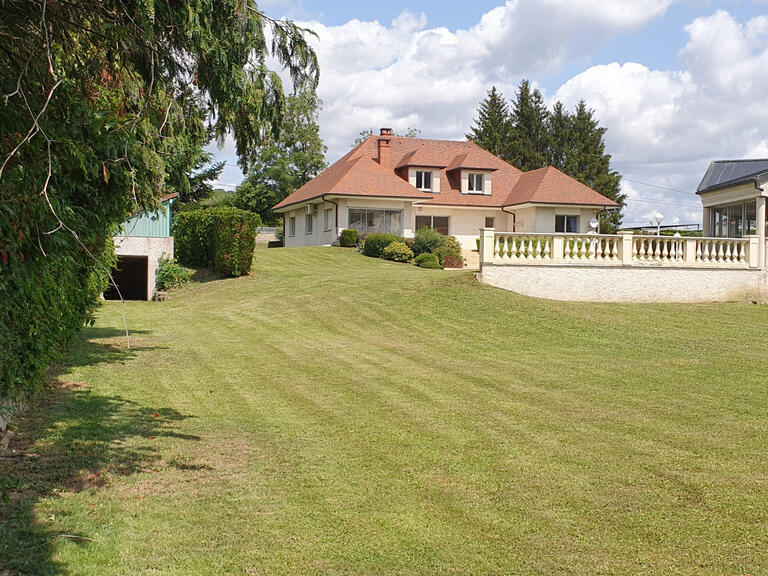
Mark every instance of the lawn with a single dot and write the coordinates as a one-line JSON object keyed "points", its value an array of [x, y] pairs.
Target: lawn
{"points": [[335, 414]]}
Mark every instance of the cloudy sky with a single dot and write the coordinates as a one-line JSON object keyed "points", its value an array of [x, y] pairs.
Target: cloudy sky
{"points": [[676, 84]]}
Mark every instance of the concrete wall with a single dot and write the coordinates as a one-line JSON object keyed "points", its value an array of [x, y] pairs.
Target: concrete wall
{"points": [[542, 218], [152, 248], [636, 284]]}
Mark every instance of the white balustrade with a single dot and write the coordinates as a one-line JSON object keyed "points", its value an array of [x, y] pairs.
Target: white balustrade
{"points": [[624, 249]]}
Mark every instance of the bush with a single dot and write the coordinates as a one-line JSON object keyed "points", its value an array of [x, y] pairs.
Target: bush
{"points": [[170, 274], [409, 243], [397, 251], [220, 237], [375, 243], [449, 253], [427, 240], [427, 260], [348, 238]]}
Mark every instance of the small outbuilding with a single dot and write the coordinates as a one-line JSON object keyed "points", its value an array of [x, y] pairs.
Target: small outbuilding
{"points": [[143, 239]]}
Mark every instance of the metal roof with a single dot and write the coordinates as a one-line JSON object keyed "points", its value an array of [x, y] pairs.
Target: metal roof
{"points": [[722, 173]]}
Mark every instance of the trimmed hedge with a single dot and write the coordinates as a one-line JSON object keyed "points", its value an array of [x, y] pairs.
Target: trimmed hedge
{"points": [[427, 260], [348, 238], [375, 243], [398, 252], [220, 237]]}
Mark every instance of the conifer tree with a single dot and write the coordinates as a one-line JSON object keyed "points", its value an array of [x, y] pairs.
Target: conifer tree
{"points": [[587, 162], [528, 133], [559, 136], [491, 127]]}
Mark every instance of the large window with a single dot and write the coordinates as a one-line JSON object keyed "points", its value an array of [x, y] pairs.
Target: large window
{"points": [[308, 223], [475, 183], [566, 224], [423, 180], [329, 219], [292, 226], [367, 221], [734, 221], [439, 223]]}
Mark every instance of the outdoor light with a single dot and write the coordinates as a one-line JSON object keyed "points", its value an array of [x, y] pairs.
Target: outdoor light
{"points": [[659, 219]]}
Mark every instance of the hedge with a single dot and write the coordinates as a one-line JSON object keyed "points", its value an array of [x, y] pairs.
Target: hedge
{"points": [[348, 238], [375, 243], [46, 299], [223, 238]]}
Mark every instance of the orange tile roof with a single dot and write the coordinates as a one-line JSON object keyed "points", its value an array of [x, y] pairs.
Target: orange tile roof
{"points": [[358, 173], [550, 186]]}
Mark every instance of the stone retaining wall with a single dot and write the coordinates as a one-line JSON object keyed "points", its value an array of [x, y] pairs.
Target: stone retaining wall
{"points": [[629, 284]]}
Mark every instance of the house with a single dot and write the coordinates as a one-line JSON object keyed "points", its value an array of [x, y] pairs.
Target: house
{"points": [[398, 185], [733, 194], [141, 241]]}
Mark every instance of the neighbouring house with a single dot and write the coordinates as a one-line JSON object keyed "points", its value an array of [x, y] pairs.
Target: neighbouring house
{"points": [[733, 196], [729, 262], [141, 241], [398, 185]]}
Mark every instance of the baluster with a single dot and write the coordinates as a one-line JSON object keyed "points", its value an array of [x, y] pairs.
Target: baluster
{"points": [[707, 251], [540, 248], [634, 249], [698, 251], [614, 249], [547, 250]]}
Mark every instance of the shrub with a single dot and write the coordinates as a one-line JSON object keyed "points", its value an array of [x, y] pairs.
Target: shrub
{"points": [[220, 237], [375, 243], [348, 238], [427, 240], [449, 253], [427, 260], [170, 274], [409, 243], [397, 251]]}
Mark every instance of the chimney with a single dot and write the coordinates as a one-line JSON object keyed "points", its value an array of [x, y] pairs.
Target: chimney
{"points": [[384, 148]]}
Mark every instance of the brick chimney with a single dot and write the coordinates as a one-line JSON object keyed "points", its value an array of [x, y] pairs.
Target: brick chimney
{"points": [[384, 148]]}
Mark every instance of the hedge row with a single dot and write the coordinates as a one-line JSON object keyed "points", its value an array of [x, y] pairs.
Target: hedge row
{"points": [[223, 238]]}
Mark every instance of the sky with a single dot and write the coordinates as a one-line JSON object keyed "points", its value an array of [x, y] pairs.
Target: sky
{"points": [[676, 84]]}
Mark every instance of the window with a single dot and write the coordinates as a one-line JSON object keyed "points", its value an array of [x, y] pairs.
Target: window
{"points": [[439, 223], [566, 224], [367, 221], [308, 224], [475, 183], [490, 221], [423, 180], [292, 226], [329, 219], [734, 221]]}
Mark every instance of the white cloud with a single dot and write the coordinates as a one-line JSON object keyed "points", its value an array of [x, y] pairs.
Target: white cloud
{"points": [[664, 127], [407, 74]]}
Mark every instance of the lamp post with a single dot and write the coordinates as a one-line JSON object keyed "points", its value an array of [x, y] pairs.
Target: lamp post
{"points": [[659, 219]]}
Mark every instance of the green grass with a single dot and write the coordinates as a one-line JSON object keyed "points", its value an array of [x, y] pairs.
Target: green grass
{"points": [[335, 414]]}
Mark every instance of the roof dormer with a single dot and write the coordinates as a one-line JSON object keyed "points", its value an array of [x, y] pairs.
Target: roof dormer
{"points": [[424, 178], [475, 181]]}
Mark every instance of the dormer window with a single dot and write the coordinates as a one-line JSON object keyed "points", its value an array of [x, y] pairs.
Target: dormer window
{"points": [[423, 180], [475, 182]]}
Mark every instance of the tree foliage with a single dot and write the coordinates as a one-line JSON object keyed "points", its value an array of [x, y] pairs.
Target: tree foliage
{"points": [[530, 136], [285, 163], [106, 104], [365, 134], [491, 127]]}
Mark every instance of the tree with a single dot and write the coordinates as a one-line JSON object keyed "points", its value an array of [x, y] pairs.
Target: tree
{"points": [[587, 162], [105, 106], [559, 141], [491, 129], [283, 164], [528, 129], [534, 137], [365, 134]]}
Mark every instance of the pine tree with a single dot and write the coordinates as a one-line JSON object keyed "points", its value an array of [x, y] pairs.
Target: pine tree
{"points": [[491, 127], [528, 135], [558, 136], [587, 162]]}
